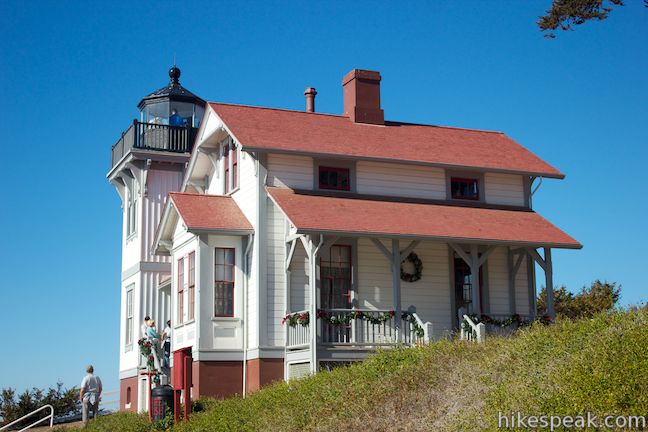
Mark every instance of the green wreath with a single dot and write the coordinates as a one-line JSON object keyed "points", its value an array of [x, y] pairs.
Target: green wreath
{"points": [[418, 268]]}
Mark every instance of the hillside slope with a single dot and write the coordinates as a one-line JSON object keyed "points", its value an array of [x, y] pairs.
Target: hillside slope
{"points": [[569, 368]]}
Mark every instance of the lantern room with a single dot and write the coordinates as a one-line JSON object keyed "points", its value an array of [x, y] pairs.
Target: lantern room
{"points": [[172, 105]]}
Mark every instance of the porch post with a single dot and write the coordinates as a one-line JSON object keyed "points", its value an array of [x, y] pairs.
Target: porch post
{"points": [[549, 282], [396, 287], [474, 270], [511, 280], [312, 250]]}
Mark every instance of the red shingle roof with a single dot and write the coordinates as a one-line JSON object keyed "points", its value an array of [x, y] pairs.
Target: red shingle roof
{"points": [[268, 129], [210, 212], [311, 213]]}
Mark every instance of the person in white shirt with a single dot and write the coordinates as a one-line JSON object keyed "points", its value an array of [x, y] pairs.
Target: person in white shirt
{"points": [[144, 327], [90, 394], [166, 343]]}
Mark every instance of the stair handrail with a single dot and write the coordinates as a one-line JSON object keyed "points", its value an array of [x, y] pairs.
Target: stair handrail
{"points": [[426, 326], [477, 330], [50, 416]]}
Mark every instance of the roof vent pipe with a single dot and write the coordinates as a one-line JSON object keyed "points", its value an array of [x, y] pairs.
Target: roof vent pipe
{"points": [[310, 99]]}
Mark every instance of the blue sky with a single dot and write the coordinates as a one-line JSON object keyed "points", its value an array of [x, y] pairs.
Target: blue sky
{"points": [[72, 74]]}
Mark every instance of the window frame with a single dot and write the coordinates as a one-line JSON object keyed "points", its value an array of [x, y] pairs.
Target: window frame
{"points": [[129, 327], [333, 169], [466, 176], [191, 286], [232, 282], [336, 164], [231, 154], [131, 211], [180, 290], [339, 264]]}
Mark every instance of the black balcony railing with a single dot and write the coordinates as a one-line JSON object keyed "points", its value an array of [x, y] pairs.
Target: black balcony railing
{"points": [[151, 136]]}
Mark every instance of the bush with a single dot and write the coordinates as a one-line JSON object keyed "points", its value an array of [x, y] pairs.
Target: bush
{"points": [[12, 407], [599, 297]]}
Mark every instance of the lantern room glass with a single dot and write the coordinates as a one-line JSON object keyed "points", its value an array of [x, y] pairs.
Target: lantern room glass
{"points": [[160, 112]]}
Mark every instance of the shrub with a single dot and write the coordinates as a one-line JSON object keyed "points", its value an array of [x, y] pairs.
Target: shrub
{"points": [[599, 297], [12, 407]]}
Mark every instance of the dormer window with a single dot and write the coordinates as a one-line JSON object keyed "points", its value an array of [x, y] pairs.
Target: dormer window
{"points": [[464, 188], [334, 178]]}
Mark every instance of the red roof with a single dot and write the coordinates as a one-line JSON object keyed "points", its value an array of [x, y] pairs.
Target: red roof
{"points": [[268, 129], [336, 215], [210, 212]]}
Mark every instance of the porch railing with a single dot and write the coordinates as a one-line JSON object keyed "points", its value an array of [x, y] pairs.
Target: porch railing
{"points": [[361, 327], [371, 327], [151, 136], [472, 331], [298, 336]]}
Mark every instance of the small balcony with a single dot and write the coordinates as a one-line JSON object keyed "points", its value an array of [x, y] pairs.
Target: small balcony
{"points": [[152, 136]]}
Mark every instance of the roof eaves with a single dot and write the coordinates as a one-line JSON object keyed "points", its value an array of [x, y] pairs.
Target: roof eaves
{"points": [[442, 238], [558, 175]]}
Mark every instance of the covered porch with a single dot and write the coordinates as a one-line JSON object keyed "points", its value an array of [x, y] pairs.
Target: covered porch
{"points": [[357, 259]]}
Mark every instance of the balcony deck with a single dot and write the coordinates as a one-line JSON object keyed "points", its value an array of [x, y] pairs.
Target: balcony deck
{"points": [[151, 136]]}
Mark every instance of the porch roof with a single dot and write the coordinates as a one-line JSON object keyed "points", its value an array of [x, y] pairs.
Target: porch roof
{"points": [[210, 212], [368, 217], [215, 214]]}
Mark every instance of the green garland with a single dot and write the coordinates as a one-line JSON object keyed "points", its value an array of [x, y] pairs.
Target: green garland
{"points": [[301, 318], [418, 330], [345, 318], [514, 319], [146, 349]]}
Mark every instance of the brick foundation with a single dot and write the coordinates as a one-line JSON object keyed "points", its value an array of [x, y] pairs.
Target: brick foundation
{"points": [[221, 379], [124, 385]]}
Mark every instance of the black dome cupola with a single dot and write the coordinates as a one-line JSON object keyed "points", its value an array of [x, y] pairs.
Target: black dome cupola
{"points": [[160, 106]]}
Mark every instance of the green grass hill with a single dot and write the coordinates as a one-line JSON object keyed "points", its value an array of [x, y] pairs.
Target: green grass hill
{"points": [[597, 365]]}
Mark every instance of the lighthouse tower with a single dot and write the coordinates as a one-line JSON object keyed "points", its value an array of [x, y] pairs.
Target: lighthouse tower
{"points": [[148, 162]]}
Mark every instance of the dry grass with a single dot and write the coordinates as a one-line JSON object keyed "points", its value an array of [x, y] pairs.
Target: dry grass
{"points": [[598, 365]]}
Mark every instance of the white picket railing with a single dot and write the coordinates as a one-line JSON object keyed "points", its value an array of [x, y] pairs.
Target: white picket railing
{"points": [[427, 331], [299, 335], [359, 331], [471, 331], [50, 416]]}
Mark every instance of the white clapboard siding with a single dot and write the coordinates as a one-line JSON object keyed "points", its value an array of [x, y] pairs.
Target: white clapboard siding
{"points": [[295, 172], [522, 289], [498, 281], [299, 287], [159, 184], [430, 295], [245, 197], [276, 277], [377, 178], [252, 304], [507, 189]]}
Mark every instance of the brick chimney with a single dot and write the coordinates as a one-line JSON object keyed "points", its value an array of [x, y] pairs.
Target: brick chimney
{"points": [[310, 94], [362, 97]]}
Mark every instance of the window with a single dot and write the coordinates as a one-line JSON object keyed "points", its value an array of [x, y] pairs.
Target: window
{"points": [[192, 285], [224, 282], [463, 280], [226, 161], [234, 159], [334, 178], [131, 210], [180, 318], [335, 277], [230, 166], [464, 188], [129, 316]]}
